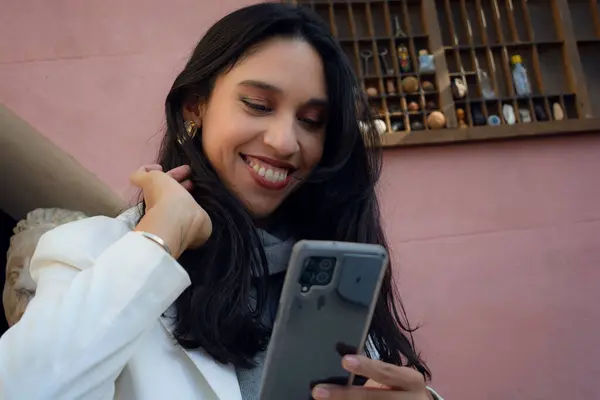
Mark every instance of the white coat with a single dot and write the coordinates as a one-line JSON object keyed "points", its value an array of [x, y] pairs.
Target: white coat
{"points": [[94, 329]]}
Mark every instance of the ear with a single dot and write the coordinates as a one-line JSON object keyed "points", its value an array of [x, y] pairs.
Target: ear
{"points": [[194, 112]]}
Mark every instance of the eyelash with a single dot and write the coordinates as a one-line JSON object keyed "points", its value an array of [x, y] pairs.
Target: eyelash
{"points": [[263, 109], [256, 107]]}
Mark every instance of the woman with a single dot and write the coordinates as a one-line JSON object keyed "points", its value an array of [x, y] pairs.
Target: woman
{"points": [[262, 148]]}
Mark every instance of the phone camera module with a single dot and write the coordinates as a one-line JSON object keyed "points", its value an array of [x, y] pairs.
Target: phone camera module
{"points": [[318, 271], [323, 278], [326, 264]]}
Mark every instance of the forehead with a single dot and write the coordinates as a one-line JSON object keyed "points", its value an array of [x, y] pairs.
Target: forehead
{"points": [[292, 65]]}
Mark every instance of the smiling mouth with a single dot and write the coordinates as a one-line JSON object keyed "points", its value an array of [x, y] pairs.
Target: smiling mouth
{"points": [[268, 172]]}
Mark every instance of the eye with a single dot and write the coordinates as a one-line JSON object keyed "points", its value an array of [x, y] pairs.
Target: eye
{"points": [[256, 106], [312, 123]]}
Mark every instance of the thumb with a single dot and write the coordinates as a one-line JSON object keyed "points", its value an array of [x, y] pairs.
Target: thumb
{"points": [[139, 178]]}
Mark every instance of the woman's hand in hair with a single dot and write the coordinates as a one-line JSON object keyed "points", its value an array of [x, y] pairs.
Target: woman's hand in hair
{"points": [[386, 382], [171, 212], [180, 174]]}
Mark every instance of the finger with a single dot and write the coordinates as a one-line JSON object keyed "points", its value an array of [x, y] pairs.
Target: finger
{"points": [[151, 167], [333, 392], [372, 384], [180, 173], [187, 185], [396, 377]]}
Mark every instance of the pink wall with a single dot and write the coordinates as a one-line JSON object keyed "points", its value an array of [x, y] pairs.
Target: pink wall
{"points": [[498, 249], [497, 245]]}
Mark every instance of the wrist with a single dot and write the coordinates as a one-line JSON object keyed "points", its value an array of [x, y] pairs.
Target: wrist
{"points": [[167, 226]]}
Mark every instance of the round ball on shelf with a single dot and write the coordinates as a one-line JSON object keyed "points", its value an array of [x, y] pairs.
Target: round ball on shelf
{"points": [[380, 126], [413, 106], [428, 86], [410, 84], [372, 91], [436, 120]]}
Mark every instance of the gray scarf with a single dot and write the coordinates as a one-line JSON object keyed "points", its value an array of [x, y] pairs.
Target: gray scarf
{"points": [[278, 253]]}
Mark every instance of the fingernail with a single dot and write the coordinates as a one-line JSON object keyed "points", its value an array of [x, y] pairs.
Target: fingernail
{"points": [[321, 393], [351, 361]]}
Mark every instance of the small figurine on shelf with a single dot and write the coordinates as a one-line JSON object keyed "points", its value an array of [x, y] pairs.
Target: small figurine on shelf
{"points": [[372, 91], [385, 70], [410, 85], [417, 125], [508, 112], [426, 64], [494, 120], [413, 106], [397, 126], [525, 115], [398, 32], [519, 75], [460, 116], [557, 112], [428, 86], [477, 115], [540, 113], [436, 120], [403, 58], [390, 87], [459, 88]]}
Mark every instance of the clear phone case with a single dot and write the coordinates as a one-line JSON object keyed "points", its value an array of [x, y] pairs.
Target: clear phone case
{"points": [[324, 313]]}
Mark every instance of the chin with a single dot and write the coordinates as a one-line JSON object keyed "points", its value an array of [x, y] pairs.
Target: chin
{"points": [[261, 212], [262, 209]]}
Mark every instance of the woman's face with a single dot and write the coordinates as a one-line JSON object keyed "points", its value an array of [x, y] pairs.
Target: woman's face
{"points": [[264, 123]]}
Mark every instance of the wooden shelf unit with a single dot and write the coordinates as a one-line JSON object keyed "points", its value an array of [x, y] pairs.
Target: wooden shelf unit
{"points": [[472, 41]]}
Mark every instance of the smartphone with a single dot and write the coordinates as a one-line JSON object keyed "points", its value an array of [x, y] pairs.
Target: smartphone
{"points": [[324, 313]]}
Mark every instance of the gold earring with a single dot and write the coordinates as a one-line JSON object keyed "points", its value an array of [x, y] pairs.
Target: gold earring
{"points": [[191, 128]]}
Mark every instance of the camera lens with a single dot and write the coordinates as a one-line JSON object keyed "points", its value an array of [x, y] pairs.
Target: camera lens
{"points": [[322, 278], [326, 264]]}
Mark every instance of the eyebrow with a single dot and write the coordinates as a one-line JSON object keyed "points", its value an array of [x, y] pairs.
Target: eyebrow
{"points": [[271, 88]]}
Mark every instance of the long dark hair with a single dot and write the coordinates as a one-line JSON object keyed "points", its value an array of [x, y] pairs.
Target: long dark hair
{"points": [[337, 202]]}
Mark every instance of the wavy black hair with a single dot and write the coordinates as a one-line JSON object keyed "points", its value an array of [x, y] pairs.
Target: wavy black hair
{"points": [[337, 202]]}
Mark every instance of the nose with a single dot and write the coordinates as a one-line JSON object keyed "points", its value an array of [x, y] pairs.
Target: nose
{"points": [[282, 137]]}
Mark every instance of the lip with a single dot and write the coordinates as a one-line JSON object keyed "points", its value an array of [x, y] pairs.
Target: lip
{"points": [[264, 183], [273, 162]]}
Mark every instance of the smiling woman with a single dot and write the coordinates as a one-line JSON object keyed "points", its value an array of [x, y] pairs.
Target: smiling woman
{"points": [[263, 128], [262, 148]]}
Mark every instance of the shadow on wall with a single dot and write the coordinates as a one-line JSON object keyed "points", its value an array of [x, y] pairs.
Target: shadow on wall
{"points": [[35, 173]]}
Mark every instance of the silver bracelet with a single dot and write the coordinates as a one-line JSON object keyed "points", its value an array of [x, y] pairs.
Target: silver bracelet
{"points": [[156, 240]]}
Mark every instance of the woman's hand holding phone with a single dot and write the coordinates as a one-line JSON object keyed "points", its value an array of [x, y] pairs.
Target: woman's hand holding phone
{"points": [[386, 382], [171, 212]]}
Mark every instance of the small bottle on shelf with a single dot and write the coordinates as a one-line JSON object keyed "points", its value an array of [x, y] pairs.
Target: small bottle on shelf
{"points": [[519, 75], [426, 64], [485, 83]]}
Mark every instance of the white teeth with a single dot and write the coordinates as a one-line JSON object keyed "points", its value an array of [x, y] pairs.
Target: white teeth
{"points": [[267, 173]]}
